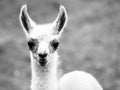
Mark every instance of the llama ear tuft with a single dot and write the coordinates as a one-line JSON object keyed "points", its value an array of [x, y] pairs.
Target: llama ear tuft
{"points": [[61, 20], [26, 22]]}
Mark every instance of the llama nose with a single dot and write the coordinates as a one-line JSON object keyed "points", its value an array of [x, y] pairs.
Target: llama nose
{"points": [[42, 55]]}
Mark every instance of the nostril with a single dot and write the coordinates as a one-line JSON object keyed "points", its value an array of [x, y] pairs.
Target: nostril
{"points": [[42, 55]]}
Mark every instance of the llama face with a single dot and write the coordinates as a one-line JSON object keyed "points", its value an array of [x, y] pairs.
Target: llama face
{"points": [[43, 40], [42, 45]]}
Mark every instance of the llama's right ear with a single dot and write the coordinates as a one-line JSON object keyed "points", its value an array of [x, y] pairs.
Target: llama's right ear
{"points": [[26, 22], [60, 21]]}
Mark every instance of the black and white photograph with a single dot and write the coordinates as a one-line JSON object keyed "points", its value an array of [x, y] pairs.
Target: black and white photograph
{"points": [[59, 44]]}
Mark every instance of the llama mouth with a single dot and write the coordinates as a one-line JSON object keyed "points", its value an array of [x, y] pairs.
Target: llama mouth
{"points": [[42, 62]]}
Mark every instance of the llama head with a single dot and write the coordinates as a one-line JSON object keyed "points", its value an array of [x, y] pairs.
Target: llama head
{"points": [[43, 40]]}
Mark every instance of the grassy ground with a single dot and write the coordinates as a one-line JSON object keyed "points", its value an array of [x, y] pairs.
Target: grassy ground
{"points": [[90, 41]]}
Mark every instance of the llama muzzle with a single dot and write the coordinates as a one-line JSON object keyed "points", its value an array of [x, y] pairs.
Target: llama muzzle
{"points": [[42, 62]]}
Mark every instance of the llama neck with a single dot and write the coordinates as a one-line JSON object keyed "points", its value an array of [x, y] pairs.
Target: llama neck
{"points": [[44, 78]]}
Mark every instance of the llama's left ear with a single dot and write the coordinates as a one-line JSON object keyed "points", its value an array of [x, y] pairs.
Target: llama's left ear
{"points": [[25, 20], [60, 21]]}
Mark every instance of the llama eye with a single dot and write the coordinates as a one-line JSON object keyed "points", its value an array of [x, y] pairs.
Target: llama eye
{"points": [[54, 44], [31, 45]]}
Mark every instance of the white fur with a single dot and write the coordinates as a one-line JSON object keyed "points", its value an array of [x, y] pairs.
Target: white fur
{"points": [[79, 80], [45, 77]]}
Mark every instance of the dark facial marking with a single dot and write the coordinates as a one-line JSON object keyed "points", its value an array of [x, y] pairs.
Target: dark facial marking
{"points": [[32, 43], [54, 44]]}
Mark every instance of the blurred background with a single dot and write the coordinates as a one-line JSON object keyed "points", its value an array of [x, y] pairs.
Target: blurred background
{"points": [[90, 42]]}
